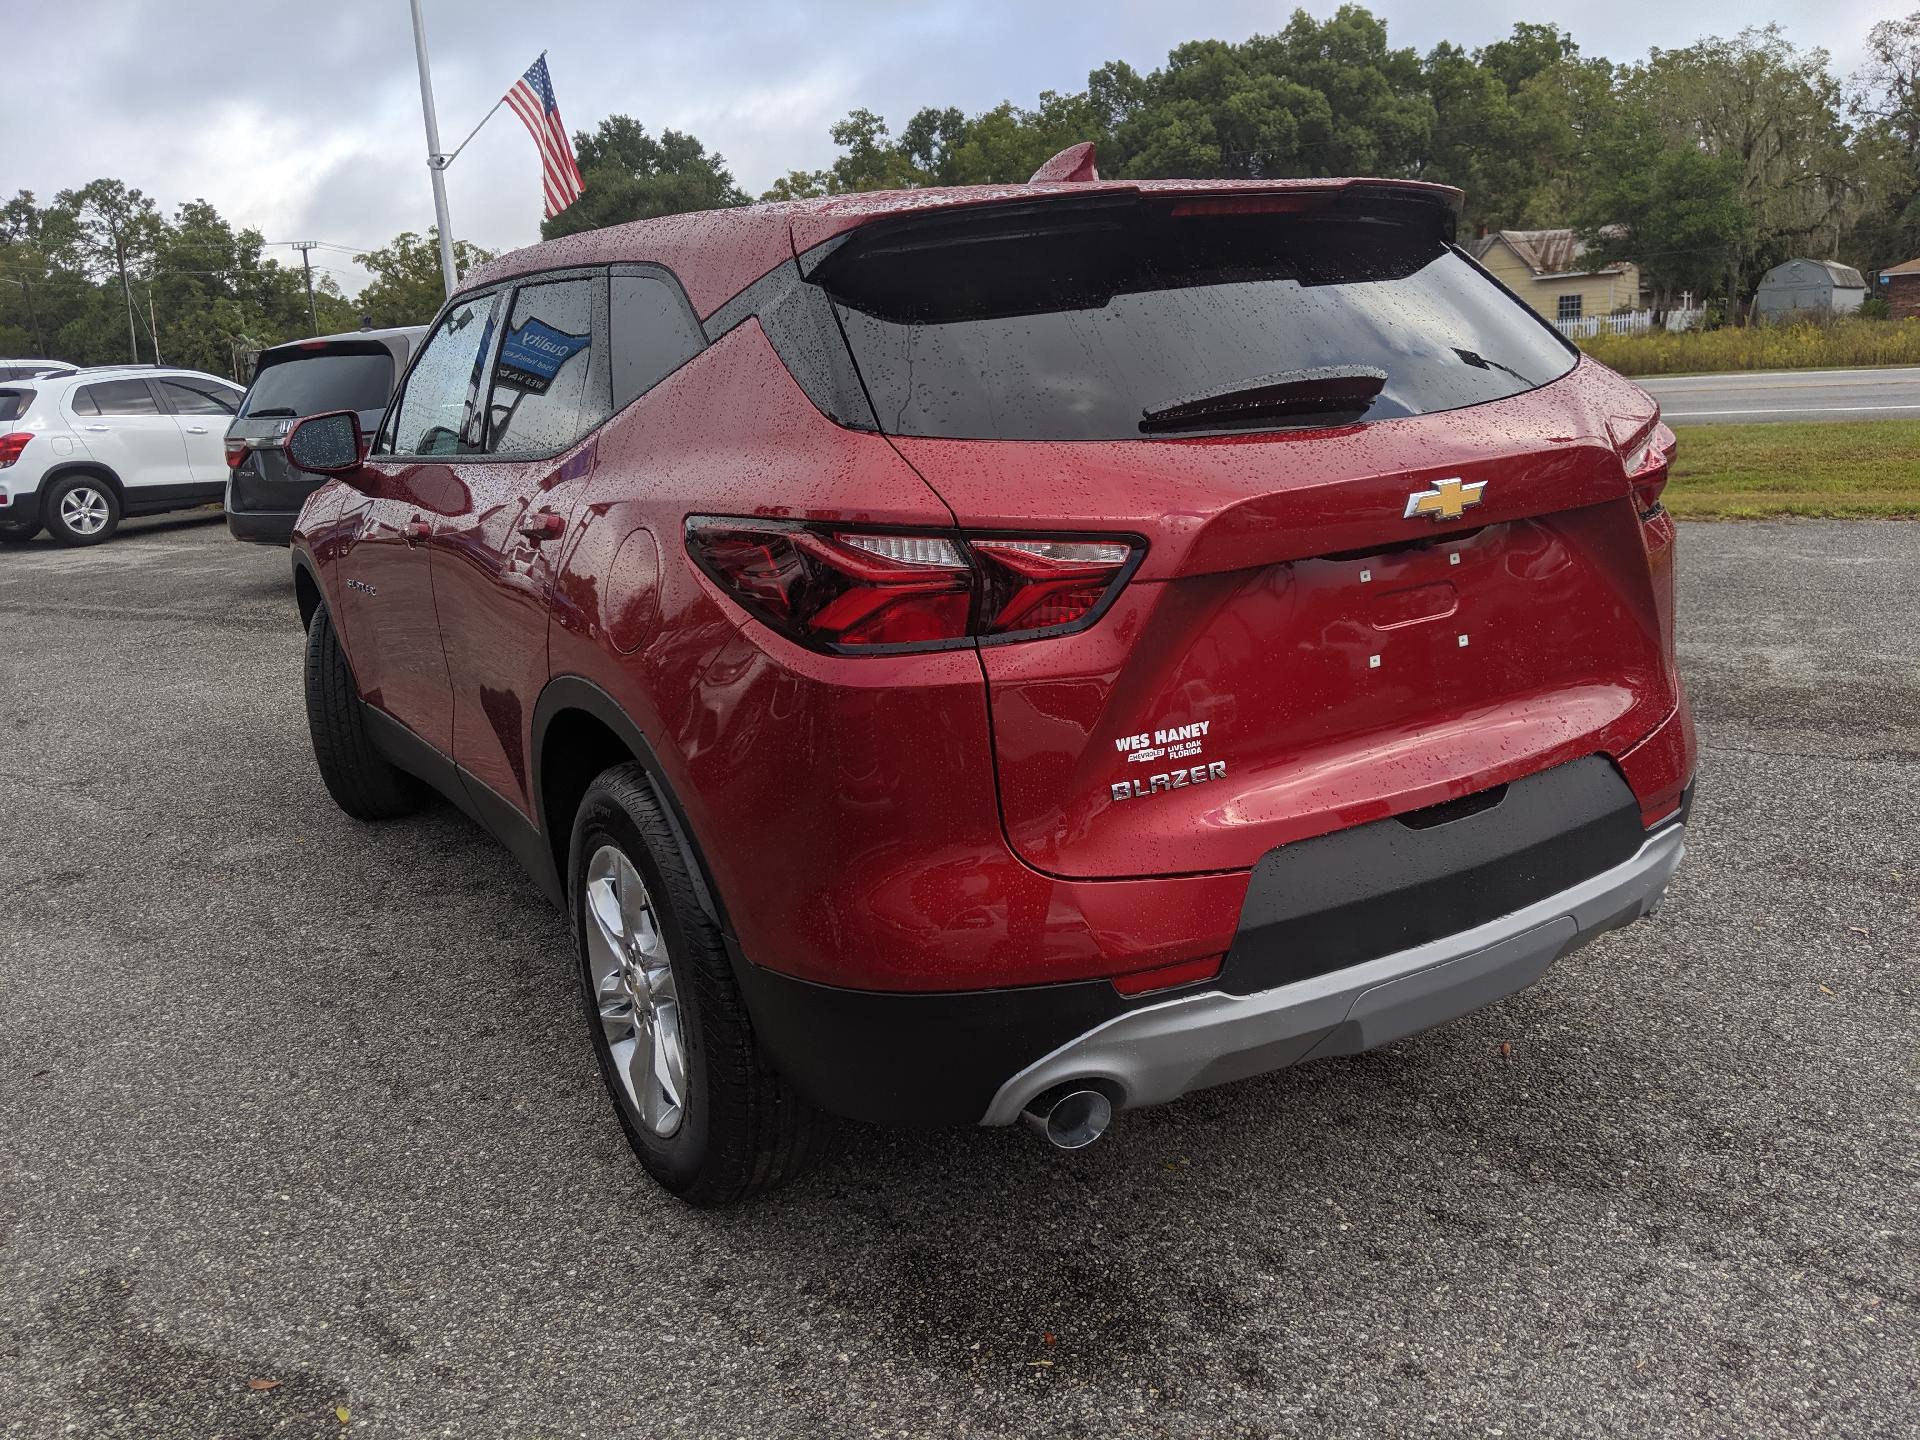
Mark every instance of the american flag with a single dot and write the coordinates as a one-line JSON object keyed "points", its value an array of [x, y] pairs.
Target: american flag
{"points": [[532, 100]]}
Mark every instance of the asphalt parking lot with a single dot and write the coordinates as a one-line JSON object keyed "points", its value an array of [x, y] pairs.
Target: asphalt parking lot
{"points": [[285, 1097]]}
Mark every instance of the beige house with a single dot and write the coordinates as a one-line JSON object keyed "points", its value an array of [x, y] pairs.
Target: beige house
{"points": [[1543, 268]]}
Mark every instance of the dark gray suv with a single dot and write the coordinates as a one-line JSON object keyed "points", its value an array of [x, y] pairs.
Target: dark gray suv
{"points": [[355, 371]]}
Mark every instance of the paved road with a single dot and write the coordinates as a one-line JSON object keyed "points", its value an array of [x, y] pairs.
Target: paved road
{"points": [[286, 1097], [1888, 394]]}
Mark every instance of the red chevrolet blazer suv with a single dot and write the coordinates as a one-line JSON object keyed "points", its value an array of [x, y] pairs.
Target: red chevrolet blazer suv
{"points": [[1023, 652]]}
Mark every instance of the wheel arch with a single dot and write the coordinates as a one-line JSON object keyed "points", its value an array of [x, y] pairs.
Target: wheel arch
{"points": [[54, 474], [580, 730], [306, 589]]}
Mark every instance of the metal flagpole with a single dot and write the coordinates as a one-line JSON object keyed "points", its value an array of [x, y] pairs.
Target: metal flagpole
{"points": [[436, 162]]}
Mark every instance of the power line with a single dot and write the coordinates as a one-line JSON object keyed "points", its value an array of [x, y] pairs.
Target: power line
{"points": [[326, 245]]}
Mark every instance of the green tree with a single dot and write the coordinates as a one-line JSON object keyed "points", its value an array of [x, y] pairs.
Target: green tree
{"points": [[113, 229], [1884, 97], [214, 294], [1773, 112], [1676, 212], [629, 175], [1318, 98], [800, 185], [1005, 145], [407, 287], [37, 293], [1515, 125]]}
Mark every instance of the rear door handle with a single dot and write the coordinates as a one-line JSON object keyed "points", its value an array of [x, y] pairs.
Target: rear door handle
{"points": [[99, 427], [196, 429], [544, 526]]}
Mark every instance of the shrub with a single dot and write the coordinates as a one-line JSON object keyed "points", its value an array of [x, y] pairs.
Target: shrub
{"points": [[1834, 345]]}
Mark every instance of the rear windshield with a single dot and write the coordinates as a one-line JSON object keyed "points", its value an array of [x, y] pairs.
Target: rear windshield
{"points": [[13, 404], [314, 384], [1118, 318]]}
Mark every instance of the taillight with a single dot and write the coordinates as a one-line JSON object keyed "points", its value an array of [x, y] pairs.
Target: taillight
{"points": [[1649, 464], [11, 446], [1046, 584], [854, 590], [236, 454]]}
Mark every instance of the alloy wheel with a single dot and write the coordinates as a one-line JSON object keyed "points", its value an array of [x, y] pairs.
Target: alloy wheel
{"points": [[83, 510], [634, 991]]}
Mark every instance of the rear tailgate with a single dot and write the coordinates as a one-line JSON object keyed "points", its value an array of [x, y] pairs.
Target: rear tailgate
{"points": [[1295, 656], [292, 381], [1297, 653]]}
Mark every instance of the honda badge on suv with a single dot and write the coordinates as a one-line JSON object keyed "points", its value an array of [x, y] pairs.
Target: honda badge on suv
{"points": [[1028, 651]]}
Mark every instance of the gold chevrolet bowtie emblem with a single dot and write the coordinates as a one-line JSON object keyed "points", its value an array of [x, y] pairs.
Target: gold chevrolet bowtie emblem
{"points": [[1447, 500]]}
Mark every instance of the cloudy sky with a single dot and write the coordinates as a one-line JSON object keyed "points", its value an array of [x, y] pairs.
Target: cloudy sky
{"points": [[304, 120]]}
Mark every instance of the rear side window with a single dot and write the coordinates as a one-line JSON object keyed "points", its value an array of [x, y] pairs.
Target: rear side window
{"points": [[436, 415], [198, 397], [1120, 318], [312, 384], [550, 382], [14, 403], [115, 397], [653, 334]]}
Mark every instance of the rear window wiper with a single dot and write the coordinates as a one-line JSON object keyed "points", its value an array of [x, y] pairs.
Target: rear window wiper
{"points": [[1317, 392], [272, 410]]}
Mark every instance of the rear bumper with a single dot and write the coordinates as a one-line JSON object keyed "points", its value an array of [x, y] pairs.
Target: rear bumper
{"points": [[265, 511], [22, 508], [1345, 942], [270, 528], [1152, 1055]]}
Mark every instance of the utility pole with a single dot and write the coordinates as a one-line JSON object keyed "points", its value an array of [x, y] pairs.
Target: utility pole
{"points": [[436, 162], [133, 337], [153, 326], [305, 247]]}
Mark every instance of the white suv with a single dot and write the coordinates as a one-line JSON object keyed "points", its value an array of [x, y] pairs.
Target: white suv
{"points": [[79, 451], [29, 369]]}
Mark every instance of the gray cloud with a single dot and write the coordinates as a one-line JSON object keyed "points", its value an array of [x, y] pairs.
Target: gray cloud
{"points": [[304, 121]]}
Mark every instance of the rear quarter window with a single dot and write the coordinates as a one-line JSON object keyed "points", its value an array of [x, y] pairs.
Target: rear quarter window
{"points": [[1079, 321], [653, 333]]}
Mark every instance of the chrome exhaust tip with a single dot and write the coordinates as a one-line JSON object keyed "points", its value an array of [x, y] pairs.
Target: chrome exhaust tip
{"points": [[1069, 1118]]}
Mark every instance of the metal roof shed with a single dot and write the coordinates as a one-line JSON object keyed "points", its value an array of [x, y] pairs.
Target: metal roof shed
{"points": [[1819, 287]]}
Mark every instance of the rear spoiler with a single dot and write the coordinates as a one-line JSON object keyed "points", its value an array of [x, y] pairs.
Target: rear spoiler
{"points": [[1100, 202], [814, 231]]}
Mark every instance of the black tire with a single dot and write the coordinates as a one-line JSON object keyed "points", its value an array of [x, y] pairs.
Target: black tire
{"points": [[742, 1129], [361, 780], [19, 532], [99, 496]]}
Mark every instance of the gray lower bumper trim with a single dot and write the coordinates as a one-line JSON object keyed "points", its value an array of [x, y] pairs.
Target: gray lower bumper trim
{"points": [[1163, 1051]]}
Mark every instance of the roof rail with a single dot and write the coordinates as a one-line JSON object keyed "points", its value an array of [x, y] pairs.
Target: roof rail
{"points": [[1075, 165]]}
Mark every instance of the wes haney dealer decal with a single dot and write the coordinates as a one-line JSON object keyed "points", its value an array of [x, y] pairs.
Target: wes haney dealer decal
{"points": [[1176, 742]]}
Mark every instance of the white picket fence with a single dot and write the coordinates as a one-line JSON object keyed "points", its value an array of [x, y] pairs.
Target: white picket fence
{"points": [[1630, 322]]}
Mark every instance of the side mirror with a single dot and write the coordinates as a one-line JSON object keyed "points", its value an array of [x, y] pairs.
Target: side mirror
{"points": [[329, 444]]}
